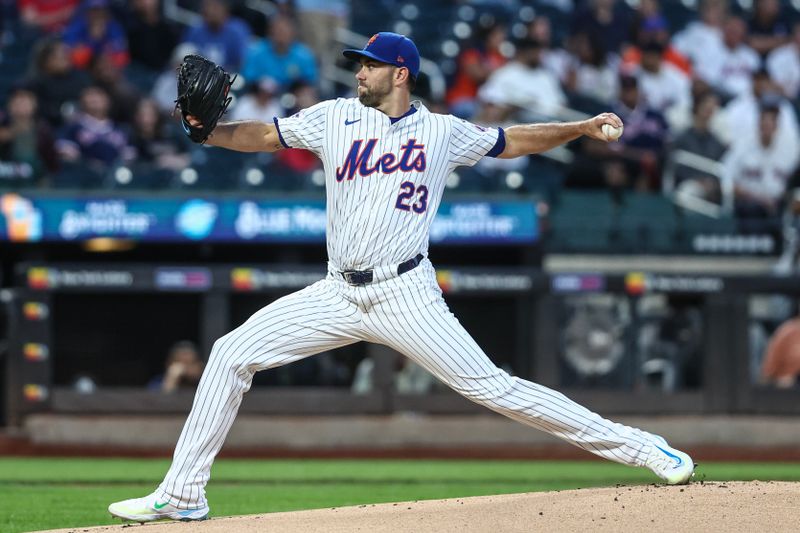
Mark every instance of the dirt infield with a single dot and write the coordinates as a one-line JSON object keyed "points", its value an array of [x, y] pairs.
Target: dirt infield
{"points": [[699, 507]]}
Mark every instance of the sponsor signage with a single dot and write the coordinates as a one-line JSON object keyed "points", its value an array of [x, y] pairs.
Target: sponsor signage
{"points": [[451, 281], [35, 393], [578, 283], [252, 279], [44, 278], [638, 283], [35, 311], [183, 279], [35, 352], [40, 217]]}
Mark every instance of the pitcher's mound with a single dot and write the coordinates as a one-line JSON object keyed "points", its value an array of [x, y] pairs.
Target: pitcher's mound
{"points": [[719, 506]]}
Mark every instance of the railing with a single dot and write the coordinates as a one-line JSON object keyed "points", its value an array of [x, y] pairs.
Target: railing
{"points": [[691, 201], [188, 17]]}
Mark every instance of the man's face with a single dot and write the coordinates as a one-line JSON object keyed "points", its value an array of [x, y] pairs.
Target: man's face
{"points": [[22, 105], [374, 82], [95, 102], [58, 61], [531, 57], [734, 32], [281, 32], [707, 107], [629, 95], [215, 13], [768, 125], [651, 60]]}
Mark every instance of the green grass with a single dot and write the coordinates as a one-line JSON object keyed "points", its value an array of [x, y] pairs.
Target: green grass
{"points": [[57, 493]]}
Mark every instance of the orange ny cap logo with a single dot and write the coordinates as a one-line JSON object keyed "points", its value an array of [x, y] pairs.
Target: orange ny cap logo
{"points": [[400, 59], [372, 39]]}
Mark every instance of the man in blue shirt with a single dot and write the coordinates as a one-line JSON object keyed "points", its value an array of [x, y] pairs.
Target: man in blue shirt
{"points": [[281, 56], [220, 37]]}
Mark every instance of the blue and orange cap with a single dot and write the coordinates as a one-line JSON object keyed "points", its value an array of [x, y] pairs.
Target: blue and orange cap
{"points": [[391, 48]]}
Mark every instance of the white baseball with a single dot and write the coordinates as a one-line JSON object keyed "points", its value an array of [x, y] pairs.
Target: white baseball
{"points": [[612, 132]]}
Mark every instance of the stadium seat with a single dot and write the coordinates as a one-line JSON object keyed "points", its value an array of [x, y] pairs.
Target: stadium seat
{"points": [[585, 221], [139, 176], [648, 223], [216, 170], [141, 77], [78, 175]]}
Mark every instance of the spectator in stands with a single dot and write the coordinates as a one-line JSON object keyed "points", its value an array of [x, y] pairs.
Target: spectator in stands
{"points": [[184, 366], [647, 18], [409, 377], [593, 74], [27, 151], [760, 165], [280, 56], [475, 64], [655, 31], [259, 103], [554, 58], [158, 142], [700, 140], [220, 37], [729, 68], [783, 65], [151, 38], [742, 113], [49, 16], [56, 83], [781, 365], [703, 36], [767, 28], [607, 21], [318, 21], [635, 160], [489, 173], [295, 164], [165, 89], [92, 138], [641, 149], [94, 32], [303, 95], [525, 83], [124, 96], [662, 84]]}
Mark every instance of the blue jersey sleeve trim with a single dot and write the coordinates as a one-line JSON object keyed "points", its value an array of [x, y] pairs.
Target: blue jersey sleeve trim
{"points": [[280, 137], [500, 145]]}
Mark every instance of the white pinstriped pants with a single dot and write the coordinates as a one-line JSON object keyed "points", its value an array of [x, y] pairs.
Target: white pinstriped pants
{"points": [[406, 313]]}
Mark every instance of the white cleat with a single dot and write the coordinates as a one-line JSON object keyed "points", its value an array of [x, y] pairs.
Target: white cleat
{"points": [[671, 465], [149, 509]]}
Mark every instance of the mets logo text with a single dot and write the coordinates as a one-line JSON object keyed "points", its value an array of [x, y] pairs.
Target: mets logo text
{"points": [[412, 158]]}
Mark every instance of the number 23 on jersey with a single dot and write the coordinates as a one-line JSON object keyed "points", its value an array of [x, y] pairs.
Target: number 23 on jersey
{"points": [[412, 198]]}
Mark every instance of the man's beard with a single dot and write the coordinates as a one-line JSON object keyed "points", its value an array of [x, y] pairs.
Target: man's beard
{"points": [[373, 97]]}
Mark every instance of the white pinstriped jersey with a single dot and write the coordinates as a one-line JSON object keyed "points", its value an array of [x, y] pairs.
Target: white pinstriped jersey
{"points": [[384, 181]]}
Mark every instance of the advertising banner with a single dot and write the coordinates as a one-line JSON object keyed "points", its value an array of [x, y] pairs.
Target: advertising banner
{"points": [[148, 218]]}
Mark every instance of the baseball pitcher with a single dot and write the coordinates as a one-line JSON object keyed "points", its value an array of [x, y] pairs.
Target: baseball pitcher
{"points": [[386, 160]]}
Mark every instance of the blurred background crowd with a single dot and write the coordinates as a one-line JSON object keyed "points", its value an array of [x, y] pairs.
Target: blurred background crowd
{"points": [[708, 91]]}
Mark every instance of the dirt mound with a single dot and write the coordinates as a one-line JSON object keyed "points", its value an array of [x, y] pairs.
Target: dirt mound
{"points": [[699, 507]]}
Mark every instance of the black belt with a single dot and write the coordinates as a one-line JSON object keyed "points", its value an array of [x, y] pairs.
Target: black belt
{"points": [[362, 277]]}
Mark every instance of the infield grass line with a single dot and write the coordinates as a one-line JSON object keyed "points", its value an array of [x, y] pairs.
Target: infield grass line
{"points": [[75, 493]]}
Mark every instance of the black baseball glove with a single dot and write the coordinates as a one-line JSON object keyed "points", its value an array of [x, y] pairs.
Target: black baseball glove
{"points": [[203, 89]]}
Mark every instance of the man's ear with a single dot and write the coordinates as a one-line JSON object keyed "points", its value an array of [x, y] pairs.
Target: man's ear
{"points": [[400, 74]]}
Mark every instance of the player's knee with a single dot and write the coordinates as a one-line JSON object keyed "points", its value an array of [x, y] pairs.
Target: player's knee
{"points": [[483, 389], [223, 351]]}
